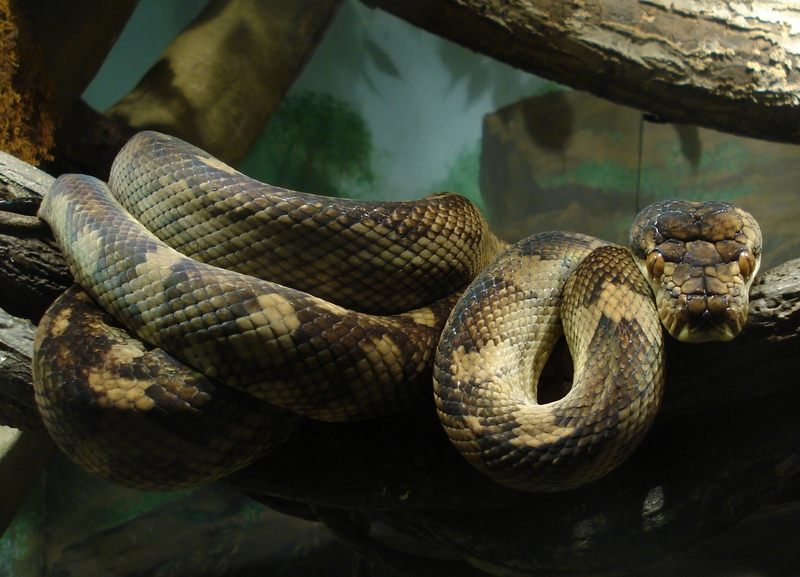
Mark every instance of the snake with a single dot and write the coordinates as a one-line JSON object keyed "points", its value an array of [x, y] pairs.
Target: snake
{"points": [[213, 312]]}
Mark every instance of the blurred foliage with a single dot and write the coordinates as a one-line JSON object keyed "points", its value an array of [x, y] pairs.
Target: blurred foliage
{"points": [[482, 75], [380, 58], [315, 143], [353, 55]]}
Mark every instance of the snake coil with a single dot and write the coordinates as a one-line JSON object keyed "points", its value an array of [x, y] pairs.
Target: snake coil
{"points": [[201, 358]]}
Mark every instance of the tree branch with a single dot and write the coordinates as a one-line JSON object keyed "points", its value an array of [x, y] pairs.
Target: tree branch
{"points": [[32, 271], [722, 65], [218, 83]]}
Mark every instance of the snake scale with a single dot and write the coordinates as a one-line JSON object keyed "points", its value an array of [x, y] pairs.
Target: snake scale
{"points": [[184, 354]]}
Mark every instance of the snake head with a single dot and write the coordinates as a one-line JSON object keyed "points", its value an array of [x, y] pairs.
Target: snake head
{"points": [[700, 259]]}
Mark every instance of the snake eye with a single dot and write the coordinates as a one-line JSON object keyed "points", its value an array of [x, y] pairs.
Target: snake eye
{"points": [[747, 262], [655, 265]]}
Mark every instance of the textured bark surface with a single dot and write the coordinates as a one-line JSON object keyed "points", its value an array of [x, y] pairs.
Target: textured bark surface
{"points": [[732, 66], [17, 405], [32, 272]]}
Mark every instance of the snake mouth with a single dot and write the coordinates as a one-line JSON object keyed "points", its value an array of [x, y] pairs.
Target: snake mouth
{"points": [[704, 318]]}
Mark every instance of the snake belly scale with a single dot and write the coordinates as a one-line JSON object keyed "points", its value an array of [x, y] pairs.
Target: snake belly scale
{"points": [[364, 324]]}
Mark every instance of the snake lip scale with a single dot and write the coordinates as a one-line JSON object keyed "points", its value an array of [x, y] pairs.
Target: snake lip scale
{"points": [[230, 307]]}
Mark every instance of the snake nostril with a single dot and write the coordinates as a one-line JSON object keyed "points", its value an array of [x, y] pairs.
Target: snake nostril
{"points": [[708, 312]]}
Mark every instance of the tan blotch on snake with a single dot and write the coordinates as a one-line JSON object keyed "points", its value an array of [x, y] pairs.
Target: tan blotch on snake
{"points": [[200, 370]]}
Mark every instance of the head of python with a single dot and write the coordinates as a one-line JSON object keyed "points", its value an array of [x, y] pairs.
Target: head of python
{"points": [[700, 259]]}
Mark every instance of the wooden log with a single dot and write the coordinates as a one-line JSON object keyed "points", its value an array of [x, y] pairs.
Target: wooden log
{"points": [[723, 65], [32, 272], [220, 80]]}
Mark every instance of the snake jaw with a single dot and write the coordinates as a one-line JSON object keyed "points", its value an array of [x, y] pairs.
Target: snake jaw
{"points": [[701, 307], [688, 327]]}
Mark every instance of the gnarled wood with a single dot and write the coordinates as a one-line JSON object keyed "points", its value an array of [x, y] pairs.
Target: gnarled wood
{"points": [[32, 272]]}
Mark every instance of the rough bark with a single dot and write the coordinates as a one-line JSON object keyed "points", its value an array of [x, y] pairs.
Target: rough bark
{"points": [[731, 66], [218, 83], [32, 272], [17, 405]]}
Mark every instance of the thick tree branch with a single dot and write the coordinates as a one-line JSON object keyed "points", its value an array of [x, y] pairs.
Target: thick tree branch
{"points": [[32, 272], [730, 66], [218, 83]]}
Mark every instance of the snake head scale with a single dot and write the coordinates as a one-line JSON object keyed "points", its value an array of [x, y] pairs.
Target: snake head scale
{"points": [[700, 259]]}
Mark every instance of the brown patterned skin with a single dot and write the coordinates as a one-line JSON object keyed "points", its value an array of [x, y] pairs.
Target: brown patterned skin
{"points": [[281, 345], [277, 344], [373, 257], [136, 416], [297, 351], [488, 364], [502, 331]]}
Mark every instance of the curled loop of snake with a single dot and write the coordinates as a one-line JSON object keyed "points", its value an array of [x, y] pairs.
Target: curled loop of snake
{"points": [[199, 359]]}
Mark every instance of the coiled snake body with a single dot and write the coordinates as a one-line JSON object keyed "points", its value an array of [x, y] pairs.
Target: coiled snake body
{"points": [[199, 370]]}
